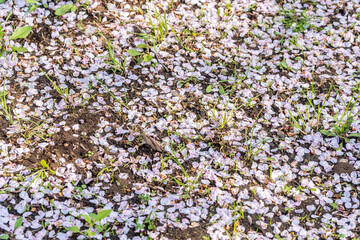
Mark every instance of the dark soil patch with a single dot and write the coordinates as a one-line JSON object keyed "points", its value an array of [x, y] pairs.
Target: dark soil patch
{"points": [[254, 111], [87, 120], [343, 167], [189, 233], [71, 144], [4, 123], [43, 81], [66, 145], [41, 34], [322, 86], [123, 186], [192, 104]]}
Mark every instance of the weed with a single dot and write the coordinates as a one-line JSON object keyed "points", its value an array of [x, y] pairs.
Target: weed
{"points": [[145, 198], [17, 224], [4, 106], [94, 221], [41, 174], [252, 7], [32, 129], [65, 9], [190, 182], [188, 81], [238, 215], [185, 37], [115, 64], [109, 169], [283, 65], [2, 45], [32, 6], [63, 91], [139, 57], [286, 189], [222, 118], [159, 26], [79, 189], [292, 20], [253, 149], [150, 222], [237, 80], [89, 154], [19, 33], [277, 236], [125, 104], [139, 224], [310, 116], [341, 128], [334, 206]]}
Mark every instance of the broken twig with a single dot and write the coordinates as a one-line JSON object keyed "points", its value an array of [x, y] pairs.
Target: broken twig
{"points": [[151, 141]]}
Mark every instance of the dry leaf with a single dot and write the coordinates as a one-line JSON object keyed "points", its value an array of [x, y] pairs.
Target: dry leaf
{"points": [[151, 141]]}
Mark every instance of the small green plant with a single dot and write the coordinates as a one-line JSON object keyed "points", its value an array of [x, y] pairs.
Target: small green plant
{"points": [[21, 32], [4, 106], [334, 206], [28, 130], [41, 173], [139, 57], [237, 79], [144, 197], [150, 222], [286, 189], [109, 169], [277, 236], [238, 216], [252, 7], [32, 6], [32, 129], [139, 224], [94, 221], [124, 104], [17, 224], [341, 128], [252, 149], [159, 26], [65, 9], [89, 154], [79, 191], [185, 38], [2, 45], [283, 65], [222, 118], [189, 182], [297, 22], [63, 91], [312, 114], [114, 63], [188, 81], [294, 41]]}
